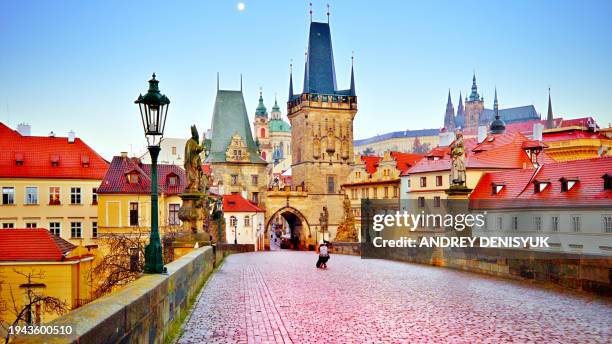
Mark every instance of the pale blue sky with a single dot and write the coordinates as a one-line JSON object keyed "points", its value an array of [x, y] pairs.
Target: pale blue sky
{"points": [[79, 65]]}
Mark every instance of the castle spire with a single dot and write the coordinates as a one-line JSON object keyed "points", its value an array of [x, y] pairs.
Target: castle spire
{"points": [[319, 72], [449, 115], [352, 90], [549, 118], [474, 95]]}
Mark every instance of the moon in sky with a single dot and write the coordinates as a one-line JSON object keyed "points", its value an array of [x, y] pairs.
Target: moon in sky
{"points": [[241, 6]]}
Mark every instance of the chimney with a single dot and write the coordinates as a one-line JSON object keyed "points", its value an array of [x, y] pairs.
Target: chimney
{"points": [[538, 128], [124, 154], [482, 133], [71, 136], [24, 129]]}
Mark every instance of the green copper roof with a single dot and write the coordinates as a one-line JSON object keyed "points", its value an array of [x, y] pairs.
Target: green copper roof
{"points": [[277, 125], [261, 110], [275, 108], [230, 117]]}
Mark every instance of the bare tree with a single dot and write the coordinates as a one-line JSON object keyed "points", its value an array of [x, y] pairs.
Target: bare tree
{"points": [[35, 301], [122, 264]]}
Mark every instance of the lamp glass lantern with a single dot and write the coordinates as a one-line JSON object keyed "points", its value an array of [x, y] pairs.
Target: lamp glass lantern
{"points": [[153, 111]]}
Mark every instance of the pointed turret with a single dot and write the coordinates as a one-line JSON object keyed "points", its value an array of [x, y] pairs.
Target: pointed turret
{"points": [[449, 116], [498, 126], [276, 113], [460, 118], [261, 110], [352, 90], [320, 73], [550, 121], [290, 82], [474, 95]]}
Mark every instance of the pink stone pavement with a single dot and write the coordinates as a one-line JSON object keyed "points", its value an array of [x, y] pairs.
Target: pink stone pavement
{"points": [[280, 297]]}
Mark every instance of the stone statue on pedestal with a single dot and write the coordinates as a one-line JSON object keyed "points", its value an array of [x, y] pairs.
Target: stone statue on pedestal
{"points": [[458, 175], [195, 206], [323, 221], [346, 229]]}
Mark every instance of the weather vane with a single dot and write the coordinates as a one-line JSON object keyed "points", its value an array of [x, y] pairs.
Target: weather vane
{"points": [[310, 4], [327, 13]]}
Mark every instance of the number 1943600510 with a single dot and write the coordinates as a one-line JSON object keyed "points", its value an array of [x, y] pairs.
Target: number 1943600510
{"points": [[52, 330]]}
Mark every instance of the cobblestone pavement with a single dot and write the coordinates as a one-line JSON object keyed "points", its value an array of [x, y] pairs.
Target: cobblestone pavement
{"points": [[280, 297]]}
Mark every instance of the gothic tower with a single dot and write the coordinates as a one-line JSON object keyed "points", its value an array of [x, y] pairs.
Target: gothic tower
{"points": [[474, 106], [449, 116], [460, 118], [321, 120]]}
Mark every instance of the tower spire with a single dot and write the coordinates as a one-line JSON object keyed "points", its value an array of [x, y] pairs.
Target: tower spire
{"points": [[217, 81], [290, 81], [449, 115], [328, 13], [310, 4], [352, 90], [498, 126], [474, 96], [240, 82], [495, 104], [549, 118]]}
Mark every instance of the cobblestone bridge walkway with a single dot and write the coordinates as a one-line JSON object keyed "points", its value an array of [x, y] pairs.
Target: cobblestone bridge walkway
{"points": [[280, 297]]}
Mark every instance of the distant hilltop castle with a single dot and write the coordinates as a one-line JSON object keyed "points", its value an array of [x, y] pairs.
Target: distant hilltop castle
{"points": [[474, 114]]}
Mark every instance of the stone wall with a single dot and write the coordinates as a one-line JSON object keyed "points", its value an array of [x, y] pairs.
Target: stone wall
{"points": [[350, 248], [143, 312], [589, 273]]}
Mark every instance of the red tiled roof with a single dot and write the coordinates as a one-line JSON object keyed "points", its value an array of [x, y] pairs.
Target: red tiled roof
{"points": [[371, 163], [571, 134], [235, 203], [519, 191], [404, 161], [37, 153], [502, 151], [582, 122], [115, 181], [32, 245]]}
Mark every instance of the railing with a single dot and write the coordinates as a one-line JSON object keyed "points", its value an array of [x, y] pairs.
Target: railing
{"points": [[323, 100]]}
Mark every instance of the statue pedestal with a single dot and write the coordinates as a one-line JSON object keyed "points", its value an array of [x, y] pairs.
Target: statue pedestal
{"points": [[192, 211], [458, 192]]}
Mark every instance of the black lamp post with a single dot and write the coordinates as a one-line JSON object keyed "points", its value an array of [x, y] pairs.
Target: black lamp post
{"points": [[236, 233], [153, 111]]}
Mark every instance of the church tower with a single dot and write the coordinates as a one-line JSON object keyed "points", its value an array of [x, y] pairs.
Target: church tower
{"points": [[474, 106], [321, 120], [449, 116], [262, 132]]}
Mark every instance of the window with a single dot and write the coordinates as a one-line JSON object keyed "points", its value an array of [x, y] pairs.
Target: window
{"points": [[357, 175], [499, 223], [330, 184], [255, 197], [173, 211], [55, 228], [133, 214], [76, 230], [54, 195], [576, 223], [554, 223], [607, 181], [8, 225], [537, 223], [254, 180], [75, 195], [423, 182], [234, 180], [247, 221], [173, 150], [31, 196], [8, 195], [606, 223], [375, 193], [422, 202], [172, 180], [395, 191], [94, 196], [94, 229], [133, 178], [437, 201], [263, 132], [386, 192], [233, 221], [31, 225], [438, 180], [263, 155], [515, 223]]}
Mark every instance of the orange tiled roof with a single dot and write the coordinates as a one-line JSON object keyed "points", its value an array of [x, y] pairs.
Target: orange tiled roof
{"points": [[235, 203], [32, 245], [36, 153]]}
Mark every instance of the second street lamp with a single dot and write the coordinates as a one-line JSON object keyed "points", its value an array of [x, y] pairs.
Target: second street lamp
{"points": [[153, 110]]}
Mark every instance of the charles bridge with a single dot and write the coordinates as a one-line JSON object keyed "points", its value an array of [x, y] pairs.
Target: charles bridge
{"points": [[280, 297]]}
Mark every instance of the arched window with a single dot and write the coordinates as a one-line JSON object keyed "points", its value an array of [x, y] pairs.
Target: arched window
{"points": [[281, 149], [263, 155], [233, 221], [263, 132], [247, 221]]}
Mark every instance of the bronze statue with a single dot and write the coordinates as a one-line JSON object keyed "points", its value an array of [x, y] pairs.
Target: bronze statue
{"points": [[458, 161], [193, 162]]}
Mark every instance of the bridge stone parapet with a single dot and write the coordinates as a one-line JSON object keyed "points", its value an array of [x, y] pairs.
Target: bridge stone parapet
{"points": [[143, 312]]}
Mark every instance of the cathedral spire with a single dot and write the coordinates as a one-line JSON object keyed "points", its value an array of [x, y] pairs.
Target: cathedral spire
{"points": [[352, 90], [549, 118], [474, 95], [449, 115]]}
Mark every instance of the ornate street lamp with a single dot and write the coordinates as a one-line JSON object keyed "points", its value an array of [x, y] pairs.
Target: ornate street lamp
{"points": [[153, 111]]}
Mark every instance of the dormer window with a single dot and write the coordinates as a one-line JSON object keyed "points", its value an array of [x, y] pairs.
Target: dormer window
{"points": [[85, 160], [133, 178], [540, 185], [19, 159], [607, 181], [55, 160], [496, 188], [172, 180], [568, 183]]}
